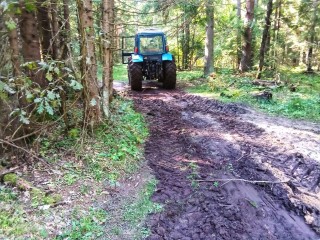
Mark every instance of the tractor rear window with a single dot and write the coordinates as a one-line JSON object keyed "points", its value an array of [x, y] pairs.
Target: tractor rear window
{"points": [[151, 44]]}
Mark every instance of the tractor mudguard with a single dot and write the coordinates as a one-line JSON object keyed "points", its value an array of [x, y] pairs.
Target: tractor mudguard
{"points": [[136, 58], [167, 57]]}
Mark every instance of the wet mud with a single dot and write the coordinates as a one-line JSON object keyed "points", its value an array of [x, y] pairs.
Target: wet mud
{"points": [[225, 171]]}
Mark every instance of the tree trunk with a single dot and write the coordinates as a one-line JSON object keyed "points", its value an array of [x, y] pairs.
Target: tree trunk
{"points": [[45, 28], [91, 98], [31, 43], [276, 29], [208, 51], [108, 32], [264, 40], [55, 31], [238, 33], [312, 35], [186, 42], [66, 30], [14, 45], [246, 60]]}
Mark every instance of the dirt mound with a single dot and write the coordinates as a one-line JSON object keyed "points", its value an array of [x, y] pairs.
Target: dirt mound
{"points": [[204, 152]]}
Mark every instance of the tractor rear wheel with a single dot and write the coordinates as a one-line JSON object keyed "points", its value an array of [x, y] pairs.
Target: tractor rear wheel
{"points": [[135, 76], [170, 75]]}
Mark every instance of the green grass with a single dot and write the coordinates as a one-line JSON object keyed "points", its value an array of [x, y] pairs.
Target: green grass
{"points": [[136, 211], [119, 142], [7, 194], [113, 150], [120, 72], [13, 221], [304, 103], [189, 75], [86, 226], [143, 206]]}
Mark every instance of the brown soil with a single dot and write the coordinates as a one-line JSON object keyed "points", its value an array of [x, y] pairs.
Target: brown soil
{"points": [[195, 142]]}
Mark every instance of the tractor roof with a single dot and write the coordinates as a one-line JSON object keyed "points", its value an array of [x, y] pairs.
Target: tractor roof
{"points": [[150, 31]]}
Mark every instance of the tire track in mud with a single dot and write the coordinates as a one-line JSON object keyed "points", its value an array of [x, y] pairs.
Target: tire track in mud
{"points": [[193, 141]]}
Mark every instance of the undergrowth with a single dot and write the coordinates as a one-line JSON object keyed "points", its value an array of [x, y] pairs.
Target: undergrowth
{"points": [[82, 165], [88, 225], [295, 94]]}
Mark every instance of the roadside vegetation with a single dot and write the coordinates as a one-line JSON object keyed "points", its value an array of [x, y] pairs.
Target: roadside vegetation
{"points": [[294, 93], [291, 93], [67, 195]]}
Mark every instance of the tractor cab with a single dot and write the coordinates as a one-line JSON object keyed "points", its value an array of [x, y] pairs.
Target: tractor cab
{"points": [[151, 60]]}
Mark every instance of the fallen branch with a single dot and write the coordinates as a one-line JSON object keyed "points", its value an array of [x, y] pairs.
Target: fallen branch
{"points": [[33, 155], [10, 170], [227, 180], [25, 150]]}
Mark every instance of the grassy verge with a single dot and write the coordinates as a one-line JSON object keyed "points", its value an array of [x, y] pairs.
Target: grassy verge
{"points": [[85, 171], [120, 72], [296, 94], [127, 221]]}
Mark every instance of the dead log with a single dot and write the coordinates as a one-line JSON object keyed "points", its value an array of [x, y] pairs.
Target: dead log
{"points": [[265, 83], [265, 96]]}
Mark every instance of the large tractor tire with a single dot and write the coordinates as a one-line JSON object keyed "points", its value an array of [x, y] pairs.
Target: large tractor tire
{"points": [[135, 76], [170, 75]]}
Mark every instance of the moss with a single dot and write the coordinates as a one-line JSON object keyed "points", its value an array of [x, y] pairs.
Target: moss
{"points": [[10, 178], [52, 199], [39, 197]]}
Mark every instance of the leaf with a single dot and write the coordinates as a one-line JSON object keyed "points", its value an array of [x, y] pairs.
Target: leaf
{"points": [[67, 69], [29, 95], [11, 25], [24, 120], [51, 95], [37, 100], [30, 65], [49, 76], [5, 87], [56, 70], [93, 102], [40, 108], [49, 109], [43, 65], [75, 85], [30, 6]]}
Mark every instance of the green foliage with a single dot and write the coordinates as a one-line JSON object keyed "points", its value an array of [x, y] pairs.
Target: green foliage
{"points": [[118, 142], [87, 226], [11, 25], [30, 5], [189, 75], [7, 195], [47, 101], [10, 178], [143, 206], [13, 221], [194, 174], [302, 103], [39, 197], [113, 151], [120, 72]]}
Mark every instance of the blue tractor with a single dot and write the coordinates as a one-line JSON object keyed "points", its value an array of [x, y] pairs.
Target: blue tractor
{"points": [[151, 60]]}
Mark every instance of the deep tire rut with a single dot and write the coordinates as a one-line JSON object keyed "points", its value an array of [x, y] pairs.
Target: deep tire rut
{"points": [[195, 141]]}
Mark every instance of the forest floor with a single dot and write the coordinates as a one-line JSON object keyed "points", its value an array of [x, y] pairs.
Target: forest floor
{"points": [[225, 171], [213, 170]]}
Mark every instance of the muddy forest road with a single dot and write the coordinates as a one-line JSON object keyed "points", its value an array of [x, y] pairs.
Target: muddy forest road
{"points": [[200, 150]]}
